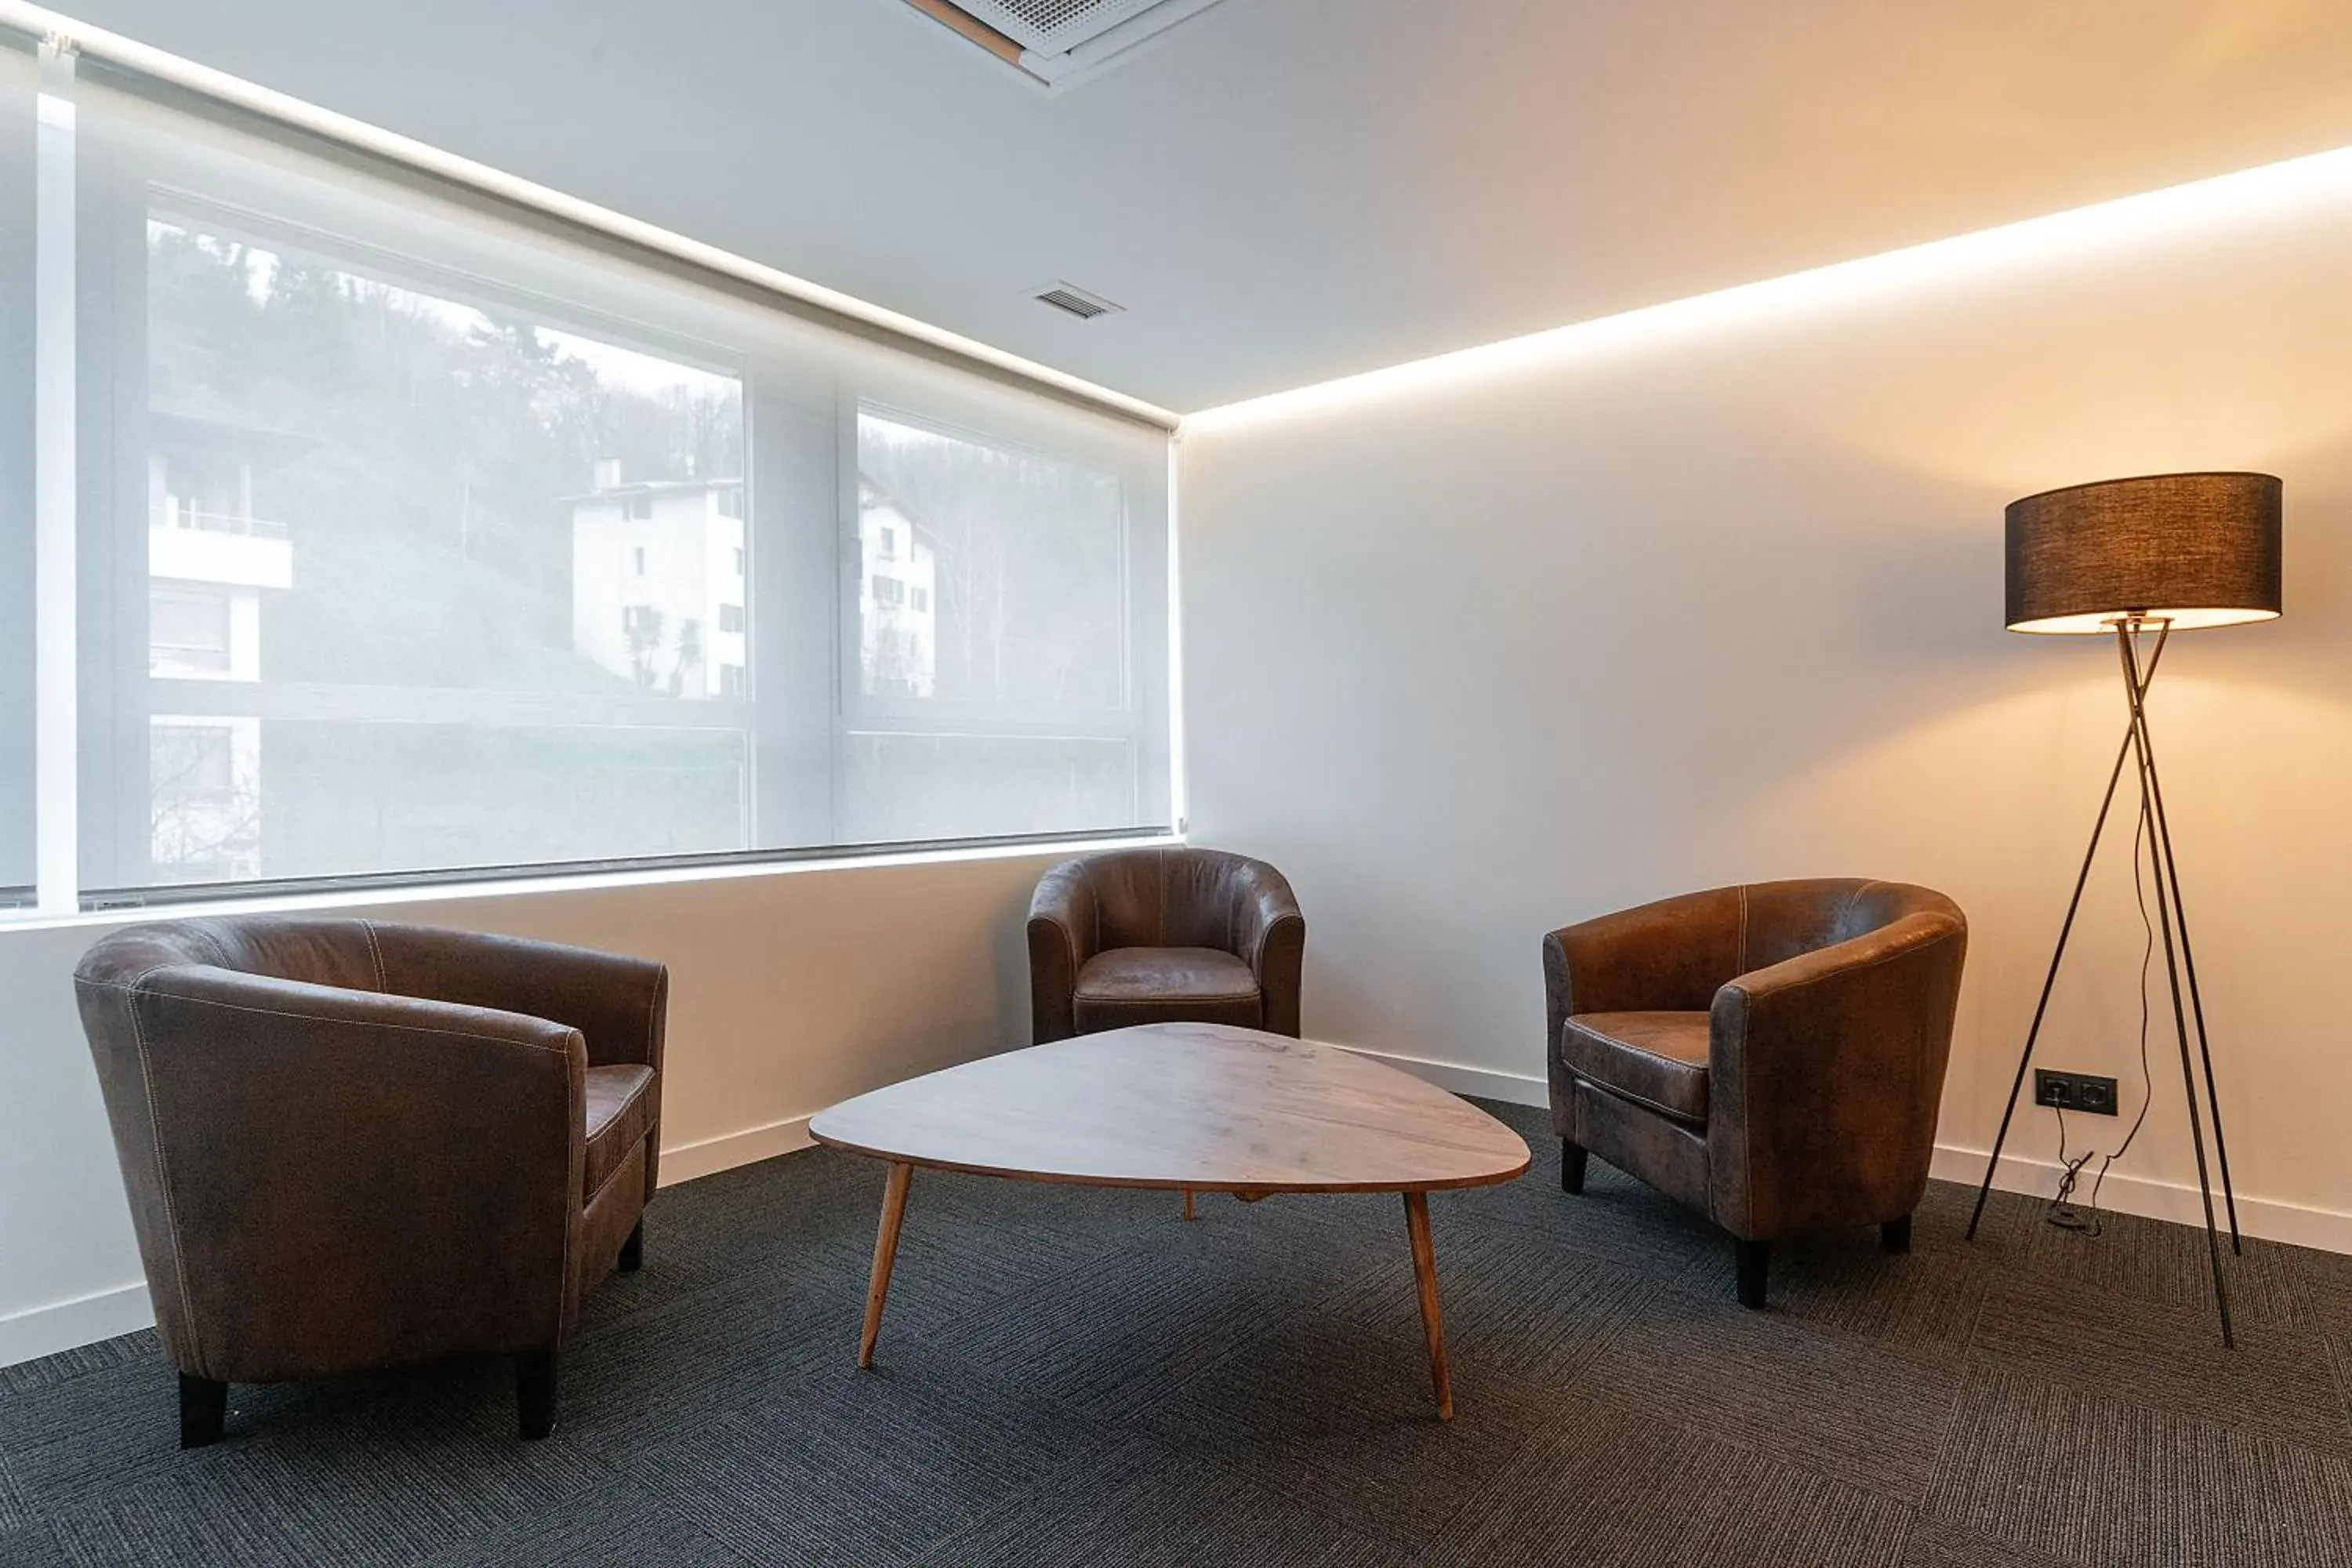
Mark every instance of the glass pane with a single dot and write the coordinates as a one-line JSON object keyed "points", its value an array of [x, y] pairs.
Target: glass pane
{"points": [[988, 575], [390, 487], [358, 491], [900, 788], [240, 798], [206, 817]]}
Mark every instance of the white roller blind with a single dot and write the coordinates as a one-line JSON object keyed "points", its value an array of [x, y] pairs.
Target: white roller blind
{"points": [[421, 537]]}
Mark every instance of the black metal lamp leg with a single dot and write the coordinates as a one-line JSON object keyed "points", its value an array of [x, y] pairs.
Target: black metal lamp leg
{"points": [[2137, 688], [2169, 872]]}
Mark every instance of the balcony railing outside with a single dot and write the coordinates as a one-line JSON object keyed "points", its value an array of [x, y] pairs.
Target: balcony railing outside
{"points": [[173, 513]]}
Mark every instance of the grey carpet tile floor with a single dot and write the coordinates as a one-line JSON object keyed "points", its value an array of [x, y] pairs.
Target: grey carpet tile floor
{"points": [[1075, 1378]]}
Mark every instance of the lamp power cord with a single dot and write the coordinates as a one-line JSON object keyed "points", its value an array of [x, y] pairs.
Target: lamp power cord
{"points": [[2063, 1211]]}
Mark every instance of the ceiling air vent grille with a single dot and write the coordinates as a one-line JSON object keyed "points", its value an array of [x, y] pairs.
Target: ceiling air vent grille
{"points": [[1074, 301], [1059, 41], [1055, 26]]}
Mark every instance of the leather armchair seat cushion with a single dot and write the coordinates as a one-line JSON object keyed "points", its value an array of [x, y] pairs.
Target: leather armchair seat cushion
{"points": [[1166, 985], [619, 1111], [1655, 1059]]}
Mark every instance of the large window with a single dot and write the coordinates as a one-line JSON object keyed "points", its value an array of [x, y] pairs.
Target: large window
{"points": [[419, 540]]}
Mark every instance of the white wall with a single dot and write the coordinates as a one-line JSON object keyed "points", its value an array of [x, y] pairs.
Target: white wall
{"points": [[1717, 596], [789, 990]]}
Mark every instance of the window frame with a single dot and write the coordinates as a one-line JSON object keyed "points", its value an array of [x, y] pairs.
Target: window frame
{"points": [[20, 523]]}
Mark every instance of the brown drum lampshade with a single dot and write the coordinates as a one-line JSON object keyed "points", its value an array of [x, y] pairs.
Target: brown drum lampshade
{"points": [[2198, 550]]}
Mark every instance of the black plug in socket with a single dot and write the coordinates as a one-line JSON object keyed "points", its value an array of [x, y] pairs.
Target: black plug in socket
{"points": [[2074, 1091]]}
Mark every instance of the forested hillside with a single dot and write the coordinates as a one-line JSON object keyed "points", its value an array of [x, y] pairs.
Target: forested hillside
{"points": [[431, 544]]}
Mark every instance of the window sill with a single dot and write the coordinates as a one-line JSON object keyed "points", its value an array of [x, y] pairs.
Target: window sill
{"points": [[352, 899]]}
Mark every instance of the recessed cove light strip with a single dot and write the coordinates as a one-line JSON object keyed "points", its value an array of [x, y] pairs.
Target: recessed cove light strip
{"points": [[162, 65], [2268, 191]]}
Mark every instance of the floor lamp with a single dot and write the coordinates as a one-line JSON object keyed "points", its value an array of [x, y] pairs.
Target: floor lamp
{"points": [[2139, 559]]}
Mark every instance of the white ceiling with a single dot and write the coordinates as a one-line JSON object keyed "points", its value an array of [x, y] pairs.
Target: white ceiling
{"points": [[1283, 191]]}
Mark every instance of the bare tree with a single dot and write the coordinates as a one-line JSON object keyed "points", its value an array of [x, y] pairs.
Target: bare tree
{"points": [[198, 816]]}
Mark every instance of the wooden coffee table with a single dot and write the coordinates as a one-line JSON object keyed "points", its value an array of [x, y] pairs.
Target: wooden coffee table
{"points": [[1193, 1107]]}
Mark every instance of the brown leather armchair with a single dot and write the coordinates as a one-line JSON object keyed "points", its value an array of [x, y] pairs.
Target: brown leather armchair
{"points": [[1163, 935], [1771, 1055], [351, 1145]]}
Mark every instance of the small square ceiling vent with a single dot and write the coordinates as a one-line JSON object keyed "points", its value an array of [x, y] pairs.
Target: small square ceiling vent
{"points": [[1059, 42], [1073, 300]]}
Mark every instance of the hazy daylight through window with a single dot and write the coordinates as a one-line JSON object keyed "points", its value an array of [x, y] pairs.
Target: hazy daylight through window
{"points": [[419, 541]]}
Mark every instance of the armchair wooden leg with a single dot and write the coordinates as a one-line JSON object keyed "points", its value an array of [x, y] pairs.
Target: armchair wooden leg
{"points": [[535, 1394], [1894, 1236], [203, 1410], [633, 1251], [1571, 1166], [1755, 1259]]}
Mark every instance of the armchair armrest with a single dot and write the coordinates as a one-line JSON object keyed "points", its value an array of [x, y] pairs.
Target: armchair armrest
{"points": [[344, 1178], [1065, 931], [618, 1004], [1826, 1074], [1668, 956], [1269, 934]]}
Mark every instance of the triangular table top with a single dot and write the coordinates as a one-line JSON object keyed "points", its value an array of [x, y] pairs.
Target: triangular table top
{"points": [[1204, 1106], [1198, 1107]]}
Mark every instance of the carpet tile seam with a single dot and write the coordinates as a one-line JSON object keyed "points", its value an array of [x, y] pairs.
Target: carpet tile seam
{"points": [[2184, 1425], [1951, 1417], [2127, 1395], [1073, 1464], [1623, 1405]]}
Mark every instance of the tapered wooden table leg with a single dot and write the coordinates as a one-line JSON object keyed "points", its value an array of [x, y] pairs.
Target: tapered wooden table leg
{"points": [[886, 1250], [1433, 1317], [1187, 1203]]}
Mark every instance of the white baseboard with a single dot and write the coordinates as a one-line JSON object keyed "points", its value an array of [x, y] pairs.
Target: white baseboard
{"points": [[708, 1156], [2299, 1225], [37, 1331], [1456, 1078], [2272, 1219]]}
